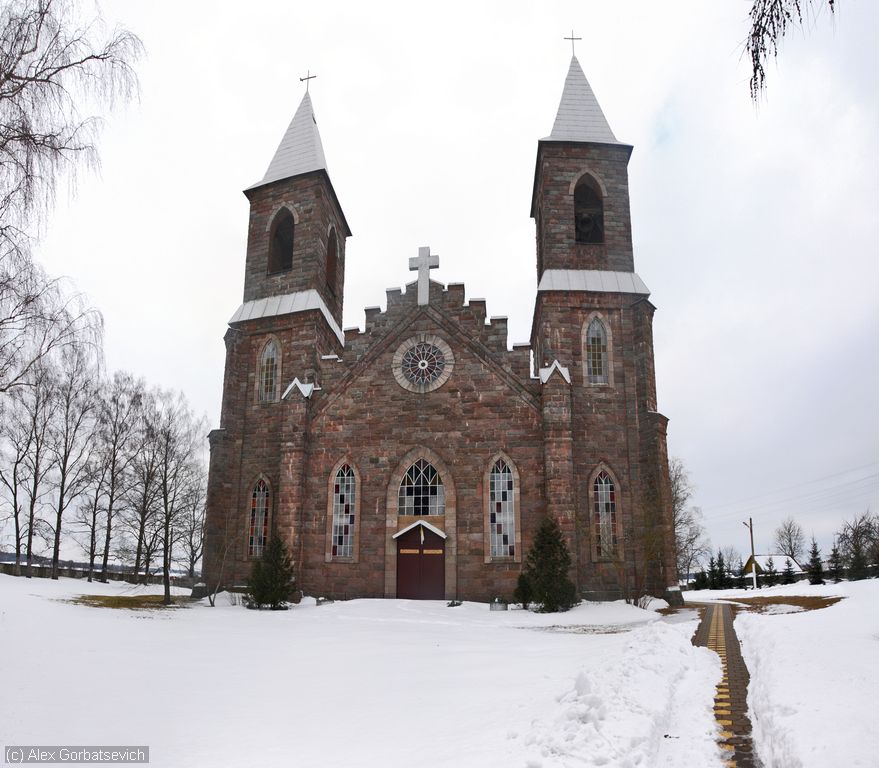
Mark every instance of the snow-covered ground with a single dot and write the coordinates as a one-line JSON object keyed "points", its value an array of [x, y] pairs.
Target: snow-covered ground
{"points": [[814, 676], [359, 683]]}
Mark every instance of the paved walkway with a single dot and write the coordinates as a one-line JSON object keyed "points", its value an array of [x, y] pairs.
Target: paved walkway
{"points": [[730, 702]]}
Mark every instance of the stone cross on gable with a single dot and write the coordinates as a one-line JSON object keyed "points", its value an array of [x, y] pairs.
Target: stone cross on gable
{"points": [[423, 263]]}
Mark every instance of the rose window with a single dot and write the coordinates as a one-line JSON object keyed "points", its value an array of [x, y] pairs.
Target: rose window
{"points": [[423, 363]]}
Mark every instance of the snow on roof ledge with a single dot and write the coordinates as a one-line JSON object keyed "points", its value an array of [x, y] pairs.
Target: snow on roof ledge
{"points": [[597, 280], [546, 373], [305, 390], [273, 306], [423, 523]]}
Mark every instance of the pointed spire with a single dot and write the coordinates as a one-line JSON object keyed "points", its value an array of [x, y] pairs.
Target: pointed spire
{"points": [[300, 151], [580, 117]]}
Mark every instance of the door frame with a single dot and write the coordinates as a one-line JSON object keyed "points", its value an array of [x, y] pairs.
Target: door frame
{"points": [[393, 526]]}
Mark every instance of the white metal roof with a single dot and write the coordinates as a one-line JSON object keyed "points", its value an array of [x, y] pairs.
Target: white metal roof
{"points": [[273, 306], [598, 280], [546, 373], [423, 523], [300, 151], [579, 117]]}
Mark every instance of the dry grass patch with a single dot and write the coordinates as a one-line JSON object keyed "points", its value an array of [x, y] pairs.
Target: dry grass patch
{"points": [[803, 602], [129, 602]]}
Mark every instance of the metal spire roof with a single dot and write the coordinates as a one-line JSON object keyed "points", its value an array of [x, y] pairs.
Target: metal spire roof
{"points": [[300, 151], [579, 117]]}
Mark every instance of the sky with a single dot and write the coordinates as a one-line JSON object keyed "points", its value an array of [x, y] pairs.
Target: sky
{"points": [[754, 226]]}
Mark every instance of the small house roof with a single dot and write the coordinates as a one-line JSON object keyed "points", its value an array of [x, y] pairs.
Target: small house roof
{"points": [[778, 562]]}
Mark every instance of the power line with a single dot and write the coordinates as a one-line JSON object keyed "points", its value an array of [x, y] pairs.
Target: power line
{"points": [[836, 492]]}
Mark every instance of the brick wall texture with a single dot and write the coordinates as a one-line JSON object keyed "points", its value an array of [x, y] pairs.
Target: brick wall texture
{"points": [[557, 435]]}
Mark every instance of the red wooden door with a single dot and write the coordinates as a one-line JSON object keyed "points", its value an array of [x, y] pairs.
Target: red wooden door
{"points": [[421, 565]]}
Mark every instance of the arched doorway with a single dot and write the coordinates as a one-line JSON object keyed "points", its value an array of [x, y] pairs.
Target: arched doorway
{"points": [[421, 515], [421, 550]]}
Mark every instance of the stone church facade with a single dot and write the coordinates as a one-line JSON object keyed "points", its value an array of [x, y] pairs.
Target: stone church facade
{"points": [[417, 458]]}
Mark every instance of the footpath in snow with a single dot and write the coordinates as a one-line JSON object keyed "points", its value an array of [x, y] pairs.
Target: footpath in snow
{"points": [[358, 683], [814, 675]]}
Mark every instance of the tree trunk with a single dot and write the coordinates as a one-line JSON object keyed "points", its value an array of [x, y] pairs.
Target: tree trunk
{"points": [[166, 560], [56, 550]]}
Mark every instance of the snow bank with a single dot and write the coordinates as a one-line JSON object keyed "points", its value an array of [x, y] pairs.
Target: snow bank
{"points": [[361, 683], [648, 704], [814, 678]]}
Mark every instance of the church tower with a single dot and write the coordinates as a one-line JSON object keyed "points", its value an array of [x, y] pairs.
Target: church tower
{"points": [[605, 451], [290, 319]]}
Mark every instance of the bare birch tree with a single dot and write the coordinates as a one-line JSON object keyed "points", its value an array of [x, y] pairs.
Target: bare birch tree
{"points": [[691, 544], [53, 71], [72, 431], [790, 539], [39, 403], [178, 473], [119, 412], [15, 444], [770, 21]]}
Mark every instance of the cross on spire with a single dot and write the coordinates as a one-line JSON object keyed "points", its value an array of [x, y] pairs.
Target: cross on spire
{"points": [[572, 39], [309, 76], [423, 263]]}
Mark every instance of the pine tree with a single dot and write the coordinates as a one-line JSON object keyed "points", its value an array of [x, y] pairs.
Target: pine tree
{"points": [[771, 575], [722, 581], [701, 581], [712, 573], [835, 571], [816, 570], [271, 580], [545, 580], [740, 575], [857, 567], [787, 575]]}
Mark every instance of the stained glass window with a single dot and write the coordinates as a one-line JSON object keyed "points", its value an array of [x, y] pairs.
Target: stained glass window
{"points": [[423, 363], [259, 519], [596, 352], [605, 520], [422, 492], [502, 511], [344, 488], [268, 373]]}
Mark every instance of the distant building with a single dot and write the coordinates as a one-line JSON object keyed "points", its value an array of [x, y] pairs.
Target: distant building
{"points": [[779, 562], [418, 457]]}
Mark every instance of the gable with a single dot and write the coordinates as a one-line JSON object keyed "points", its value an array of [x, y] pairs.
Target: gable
{"points": [[483, 367]]}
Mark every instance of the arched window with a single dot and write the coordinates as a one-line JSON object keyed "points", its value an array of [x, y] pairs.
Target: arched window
{"points": [[269, 363], [344, 509], [259, 519], [605, 515], [588, 211], [502, 511], [596, 353], [422, 492], [332, 262], [281, 242]]}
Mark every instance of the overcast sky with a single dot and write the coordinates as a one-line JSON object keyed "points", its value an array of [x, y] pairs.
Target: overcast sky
{"points": [[755, 228]]}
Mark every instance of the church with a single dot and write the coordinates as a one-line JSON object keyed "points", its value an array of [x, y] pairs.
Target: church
{"points": [[416, 458]]}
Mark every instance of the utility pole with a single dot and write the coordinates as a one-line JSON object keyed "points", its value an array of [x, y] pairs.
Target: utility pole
{"points": [[750, 526]]}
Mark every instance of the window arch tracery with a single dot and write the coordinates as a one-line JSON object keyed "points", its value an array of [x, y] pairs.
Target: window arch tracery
{"points": [[259, 519], [344, 512], [502, 520], [421, 491], [604, 516], [269, 372], [597, 361]]}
